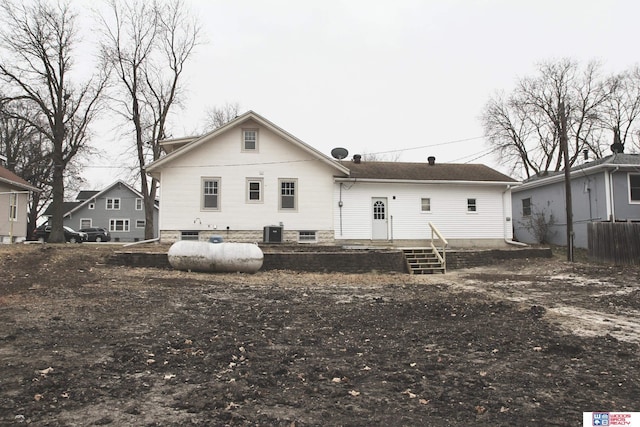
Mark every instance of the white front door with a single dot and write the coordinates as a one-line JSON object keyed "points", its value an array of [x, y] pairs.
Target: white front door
{"points": [[379, 212]]}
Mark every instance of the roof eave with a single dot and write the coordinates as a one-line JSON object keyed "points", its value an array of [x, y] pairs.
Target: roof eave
{"points": [[428, 181]]}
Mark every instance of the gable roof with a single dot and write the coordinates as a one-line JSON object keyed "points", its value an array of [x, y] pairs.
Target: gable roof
{"points": [[86, 195], [401, 171], [613, 161], [70, 207], [11, 178], [185, 145]]}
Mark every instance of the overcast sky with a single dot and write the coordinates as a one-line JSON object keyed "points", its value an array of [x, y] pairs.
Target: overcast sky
{"points": [[378, 76]]}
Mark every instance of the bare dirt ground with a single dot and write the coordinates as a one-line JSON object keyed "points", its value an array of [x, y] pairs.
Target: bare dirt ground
{"points": [[523, 343]]}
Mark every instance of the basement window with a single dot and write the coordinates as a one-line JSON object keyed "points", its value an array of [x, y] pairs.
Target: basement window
{"points": [[307, 237], [189, 235]]}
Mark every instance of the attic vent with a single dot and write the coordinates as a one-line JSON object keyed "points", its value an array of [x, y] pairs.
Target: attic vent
{"points": [[357, 158], [431, 160]]}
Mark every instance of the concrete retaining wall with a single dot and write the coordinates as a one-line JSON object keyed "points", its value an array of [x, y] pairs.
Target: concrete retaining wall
{"points": [[359, 261]]}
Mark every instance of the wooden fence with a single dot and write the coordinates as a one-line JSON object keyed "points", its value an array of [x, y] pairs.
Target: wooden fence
{"points": [[616, 242]]}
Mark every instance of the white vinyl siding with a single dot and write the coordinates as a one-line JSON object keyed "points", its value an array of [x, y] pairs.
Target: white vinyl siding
{"points": [[407, 222]]}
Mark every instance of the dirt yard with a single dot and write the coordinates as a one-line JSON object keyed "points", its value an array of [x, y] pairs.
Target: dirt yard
{"points": [[524, 343]]}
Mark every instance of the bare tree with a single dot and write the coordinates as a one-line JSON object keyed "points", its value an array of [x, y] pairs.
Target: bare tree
{"points": [[621, 109], [149, 45], [525, 127], [38, 40], [220, 116]]}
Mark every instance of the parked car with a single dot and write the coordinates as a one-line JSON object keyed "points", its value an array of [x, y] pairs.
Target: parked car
{"points": [[96, 234], [70, 235]]}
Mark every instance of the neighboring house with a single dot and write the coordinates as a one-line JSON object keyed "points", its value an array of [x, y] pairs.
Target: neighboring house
{"points": [[250, 177], [118, 208], [607, 189], [15, 194]]}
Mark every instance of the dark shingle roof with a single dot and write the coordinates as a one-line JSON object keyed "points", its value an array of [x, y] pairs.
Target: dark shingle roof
{"points": [[425, 171], [613, 159], [86, 195], [66, 207]]}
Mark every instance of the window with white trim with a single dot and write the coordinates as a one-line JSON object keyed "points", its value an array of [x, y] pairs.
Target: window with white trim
{"points": [[254, 190], [472, 205], [119, 225], [425, 204], [140, 223], [288, 194], [249, 139], [634, 188], [211, 193], [92, 205], [13, 207], [85, 223], [113, 204], [526, 206], [138, 204], [307, 237]]}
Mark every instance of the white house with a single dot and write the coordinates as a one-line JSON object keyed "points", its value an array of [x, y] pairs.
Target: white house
{"points": [[250, 178]]}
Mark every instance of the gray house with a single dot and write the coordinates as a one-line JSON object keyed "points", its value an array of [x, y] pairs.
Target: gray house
{"points": [[118, 208], [607, 189]]}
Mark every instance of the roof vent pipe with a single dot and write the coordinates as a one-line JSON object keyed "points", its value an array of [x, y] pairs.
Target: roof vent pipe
{"points": [[357, 158], [432, 160]]}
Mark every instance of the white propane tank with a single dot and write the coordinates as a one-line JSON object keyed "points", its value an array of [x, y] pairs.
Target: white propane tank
{"points": [[215, 257]]}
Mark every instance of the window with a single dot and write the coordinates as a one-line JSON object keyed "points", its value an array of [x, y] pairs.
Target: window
{"points": [[254, 190], [85, 223], [526, 206], [189, 235], [211, 193], [378, 210], [13, 207], [92, 205], [113, 204], [249, 139], [307, 237], [119, 225], [634, 188], [425, 204], [138, 204], [140, 223], [288, 194], [471, 205]]}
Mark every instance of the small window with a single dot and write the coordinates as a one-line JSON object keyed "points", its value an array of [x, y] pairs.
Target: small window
{"points": [[92, 205], [113, 204], [634, 188], [254, 190], [138, 204], [140, 223], [119, 225], [288, 194], [425, 204], [526, 206], [471, 205], [249, 139], [307, 237], [189, 235], [211, 194], [85, 223], [13, 207]]}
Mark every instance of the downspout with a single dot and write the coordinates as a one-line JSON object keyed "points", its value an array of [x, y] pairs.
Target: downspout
{"points": [[611, 187], [340, 207], [508, 241]]}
